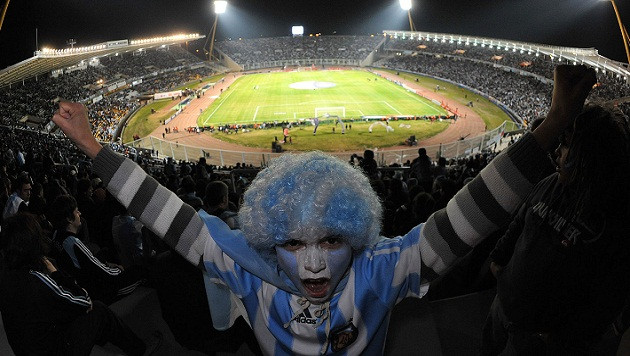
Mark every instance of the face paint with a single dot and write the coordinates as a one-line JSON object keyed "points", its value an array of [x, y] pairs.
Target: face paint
{"points": [[315, 267]]}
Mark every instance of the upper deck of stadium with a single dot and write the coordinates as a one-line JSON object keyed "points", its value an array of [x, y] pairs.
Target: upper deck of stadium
{"points": [[46, 61], [245, 54]]}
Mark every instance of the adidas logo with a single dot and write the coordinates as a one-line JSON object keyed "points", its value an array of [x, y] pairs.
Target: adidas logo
{"points": [[306, 318]]}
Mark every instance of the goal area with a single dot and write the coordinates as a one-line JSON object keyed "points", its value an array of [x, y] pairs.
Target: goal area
{"points": [[331, 111]]}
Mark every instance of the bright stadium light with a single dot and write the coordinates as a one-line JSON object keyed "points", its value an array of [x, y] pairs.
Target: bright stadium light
{"points": [[220, 7], [406, 5], [297, 30]]}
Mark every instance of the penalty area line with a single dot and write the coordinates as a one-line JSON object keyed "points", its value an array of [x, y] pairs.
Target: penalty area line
{"points": [[386, 103], [256, 113]]}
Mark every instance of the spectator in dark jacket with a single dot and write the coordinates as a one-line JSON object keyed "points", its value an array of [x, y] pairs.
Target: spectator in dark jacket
{"points": [[44, 311], [106, 281], [563, 265]]}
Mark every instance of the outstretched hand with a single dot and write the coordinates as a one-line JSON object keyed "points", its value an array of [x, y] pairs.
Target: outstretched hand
{"points": [[72, 118], [571, 86]]}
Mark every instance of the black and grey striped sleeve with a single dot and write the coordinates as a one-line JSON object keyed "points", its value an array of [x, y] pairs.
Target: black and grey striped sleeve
{"points": [[481, 207], [154, 205]]}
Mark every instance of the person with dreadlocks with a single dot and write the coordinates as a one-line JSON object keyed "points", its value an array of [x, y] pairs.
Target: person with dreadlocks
{"points": [[308, 265], [562, 267]]}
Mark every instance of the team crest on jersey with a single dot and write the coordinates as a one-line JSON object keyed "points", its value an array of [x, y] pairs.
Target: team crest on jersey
{"points": [[342, 337]]}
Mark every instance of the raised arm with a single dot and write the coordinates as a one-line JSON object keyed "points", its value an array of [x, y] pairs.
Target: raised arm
{"points": [[488, 202], [157, 207]]}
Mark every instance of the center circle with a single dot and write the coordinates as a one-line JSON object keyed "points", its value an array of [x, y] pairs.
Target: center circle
{"points": [[311, 85]]}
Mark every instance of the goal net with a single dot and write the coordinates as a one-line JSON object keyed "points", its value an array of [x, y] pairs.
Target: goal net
{"points": [[331, 111]]}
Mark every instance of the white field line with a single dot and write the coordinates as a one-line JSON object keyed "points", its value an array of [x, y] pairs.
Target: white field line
{"points": [[415, 97], [256, 113], [386, 103], [218, 106]]}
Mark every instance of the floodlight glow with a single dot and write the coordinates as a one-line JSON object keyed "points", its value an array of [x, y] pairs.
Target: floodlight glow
{"points": [[297, 30], [405, 4], [220, 6]]}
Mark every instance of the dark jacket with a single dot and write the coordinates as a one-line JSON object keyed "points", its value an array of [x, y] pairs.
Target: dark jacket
{"points": [[563, 275], [37, 307]]}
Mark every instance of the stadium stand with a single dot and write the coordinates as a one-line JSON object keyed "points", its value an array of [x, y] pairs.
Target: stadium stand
{"points": [[249, 51], [53, 163]]}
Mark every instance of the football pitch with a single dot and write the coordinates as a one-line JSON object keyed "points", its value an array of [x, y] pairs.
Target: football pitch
{"points": [[290, 96]]}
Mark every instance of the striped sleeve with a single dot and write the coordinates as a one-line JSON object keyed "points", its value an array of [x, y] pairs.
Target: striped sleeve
{"points": [[155, 206], [78, 296], [481, 207], [112, 271]]}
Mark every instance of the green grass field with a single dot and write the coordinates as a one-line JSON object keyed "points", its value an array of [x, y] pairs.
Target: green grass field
{"points": [[356, 138], [273, 97]]}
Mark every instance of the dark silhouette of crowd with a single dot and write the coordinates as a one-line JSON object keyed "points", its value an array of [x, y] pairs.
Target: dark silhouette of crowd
{"points": [[525, 60], [152, 70], [251, 51], [495, 72]]}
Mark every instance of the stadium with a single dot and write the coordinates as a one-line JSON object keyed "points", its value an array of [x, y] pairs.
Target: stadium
{"points": [[230, 111]]}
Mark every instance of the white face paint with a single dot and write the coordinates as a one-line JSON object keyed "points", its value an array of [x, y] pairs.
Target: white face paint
{"points": [[315, 267]]}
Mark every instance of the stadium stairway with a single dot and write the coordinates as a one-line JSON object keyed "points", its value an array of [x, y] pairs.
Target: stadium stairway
{"points": [[417, 327]]}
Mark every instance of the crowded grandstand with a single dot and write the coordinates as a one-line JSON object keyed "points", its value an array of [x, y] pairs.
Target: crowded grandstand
{"points": [[115, 83]]}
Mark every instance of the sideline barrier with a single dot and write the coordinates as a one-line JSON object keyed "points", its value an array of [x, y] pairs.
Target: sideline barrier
{"points": [[216, 157]]}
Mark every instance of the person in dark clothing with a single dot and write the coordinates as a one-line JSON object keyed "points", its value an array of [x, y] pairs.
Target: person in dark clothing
{"points": [[421, 168], [368, 164], [104, 280], [18, 201], [562, 267], [187, 193], [89, 209], [216, 203], [44, 311]]}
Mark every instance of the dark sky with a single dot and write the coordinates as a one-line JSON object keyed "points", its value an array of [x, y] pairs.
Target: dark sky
{"points": [[576, 23]]}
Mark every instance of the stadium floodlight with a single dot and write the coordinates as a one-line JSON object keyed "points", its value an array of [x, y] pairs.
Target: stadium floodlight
{"points": [[297, 30], [220, 7], [405, 4], [624, 33]]}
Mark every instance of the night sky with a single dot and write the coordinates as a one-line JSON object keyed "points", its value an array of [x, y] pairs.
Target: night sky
{"points": [[575, 23]]}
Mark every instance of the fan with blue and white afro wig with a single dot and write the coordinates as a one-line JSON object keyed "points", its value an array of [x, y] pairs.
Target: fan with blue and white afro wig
{"points": [[310, 194]]}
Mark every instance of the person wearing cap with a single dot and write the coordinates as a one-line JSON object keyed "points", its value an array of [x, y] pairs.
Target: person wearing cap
{"points": [[308, 265]]}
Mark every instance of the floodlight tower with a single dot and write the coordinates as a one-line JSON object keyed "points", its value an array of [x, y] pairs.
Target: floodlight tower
{"points": [[4, 12], [219, 8], [406, 5], [624, 33]]}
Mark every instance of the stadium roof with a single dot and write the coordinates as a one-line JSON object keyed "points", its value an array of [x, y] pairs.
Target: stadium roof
{"points": [[587, 56], [48, 60]]}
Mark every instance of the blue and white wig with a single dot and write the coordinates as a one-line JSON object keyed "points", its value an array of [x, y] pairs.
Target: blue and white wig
{"points": [[309, 195]]}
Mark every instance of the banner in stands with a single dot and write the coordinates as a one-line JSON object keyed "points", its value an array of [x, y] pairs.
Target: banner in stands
{"points": [[170, 94], [119, 43], [198, 65], [136, 82]]}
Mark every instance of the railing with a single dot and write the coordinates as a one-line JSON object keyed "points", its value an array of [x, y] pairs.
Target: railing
{"points": [[464, 147]]}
